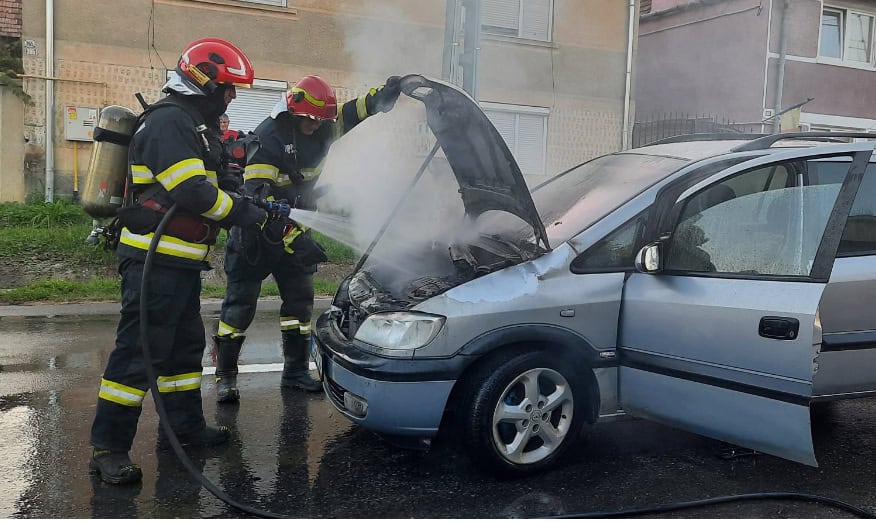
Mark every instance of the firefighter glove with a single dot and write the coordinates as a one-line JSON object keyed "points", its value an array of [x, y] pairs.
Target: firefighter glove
{"points": [[247, 214], [383, 98]]}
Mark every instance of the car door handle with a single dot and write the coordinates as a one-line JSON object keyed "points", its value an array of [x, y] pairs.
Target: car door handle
{"points": [[779, 328]]}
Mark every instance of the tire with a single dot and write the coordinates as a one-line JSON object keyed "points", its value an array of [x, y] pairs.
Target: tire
{"points": [[510, 430]]}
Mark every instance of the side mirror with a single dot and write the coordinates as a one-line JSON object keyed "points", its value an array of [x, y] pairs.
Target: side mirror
{"points": [[648, 260]]}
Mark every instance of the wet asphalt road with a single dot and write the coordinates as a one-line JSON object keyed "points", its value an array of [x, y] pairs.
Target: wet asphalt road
{"points": [[293, 454]]}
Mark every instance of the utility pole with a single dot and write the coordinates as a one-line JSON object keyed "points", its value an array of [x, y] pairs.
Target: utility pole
{"points": [[462, 38], [780, 74]]}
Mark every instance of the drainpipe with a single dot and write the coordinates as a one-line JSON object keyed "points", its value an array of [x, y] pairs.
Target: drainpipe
{"points": [[629, 77], [50, 101], [780, 78]]}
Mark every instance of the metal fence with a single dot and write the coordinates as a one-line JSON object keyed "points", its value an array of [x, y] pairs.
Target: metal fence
{"points": [[666, 125]]}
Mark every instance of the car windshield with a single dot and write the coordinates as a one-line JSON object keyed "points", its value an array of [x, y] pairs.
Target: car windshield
{"points": [[578, 198]]}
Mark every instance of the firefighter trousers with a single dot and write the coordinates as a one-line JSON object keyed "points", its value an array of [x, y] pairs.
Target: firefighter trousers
{"points": [[176, 346], [245, 275]]}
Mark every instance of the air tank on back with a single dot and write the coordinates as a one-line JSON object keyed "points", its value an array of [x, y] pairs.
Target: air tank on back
{"points": [[108, 168]]}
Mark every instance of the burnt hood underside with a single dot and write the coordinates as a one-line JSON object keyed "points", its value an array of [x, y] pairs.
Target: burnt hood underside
{"points": [[488, 176]]}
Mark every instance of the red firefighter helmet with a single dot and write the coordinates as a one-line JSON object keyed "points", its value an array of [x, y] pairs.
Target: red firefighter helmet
{"points": [[211, 61], [314, 98]]}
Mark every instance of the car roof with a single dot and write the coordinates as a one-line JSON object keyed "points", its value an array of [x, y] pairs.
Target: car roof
{"points": [[699, 146]]}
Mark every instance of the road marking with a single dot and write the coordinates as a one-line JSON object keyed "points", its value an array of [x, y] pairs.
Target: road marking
{"points": [[255, 367]]}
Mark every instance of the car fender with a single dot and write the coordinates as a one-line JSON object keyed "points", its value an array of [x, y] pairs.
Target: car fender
{"points": [[551, 337]]}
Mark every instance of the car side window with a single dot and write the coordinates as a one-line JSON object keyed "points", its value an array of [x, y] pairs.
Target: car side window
{"points": [[859, 236], [614, 253], [767, 221]]}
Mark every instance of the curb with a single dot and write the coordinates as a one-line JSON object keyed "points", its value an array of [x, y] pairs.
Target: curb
{"points": [[211, 306]]}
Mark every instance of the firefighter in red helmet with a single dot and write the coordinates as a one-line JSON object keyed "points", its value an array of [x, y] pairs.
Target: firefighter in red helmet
{"points": [[294, 142], [173, 159]]}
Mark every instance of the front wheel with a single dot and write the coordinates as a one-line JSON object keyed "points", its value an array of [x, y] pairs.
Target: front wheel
{"points": [[525, 414]]}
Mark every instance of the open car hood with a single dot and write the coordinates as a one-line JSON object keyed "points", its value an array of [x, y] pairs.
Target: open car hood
{"points": [[488, 176]]}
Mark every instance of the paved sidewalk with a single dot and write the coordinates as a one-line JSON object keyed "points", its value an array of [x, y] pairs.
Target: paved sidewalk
{"points": [[210, 306]]}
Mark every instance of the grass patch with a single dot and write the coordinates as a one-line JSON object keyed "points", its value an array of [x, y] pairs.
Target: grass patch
{"points": [[95, 289], [42, 214], [107, 289], [336, 251], [66, 242]]}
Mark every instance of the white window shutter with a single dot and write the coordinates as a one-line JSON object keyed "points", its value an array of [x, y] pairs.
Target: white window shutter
{"points": [[536, 20], [503, 14], [505, 123], [251, 107], [278, 3], [531, 143]]}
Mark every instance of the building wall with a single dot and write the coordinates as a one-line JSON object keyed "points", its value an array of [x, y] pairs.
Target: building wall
{"points": [[354, 44], [839, 90], [723, 66], [707, 59], [10, 18], [12, 152], [580, 77]]}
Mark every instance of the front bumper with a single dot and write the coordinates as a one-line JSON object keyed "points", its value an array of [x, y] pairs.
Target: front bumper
{"points": [[404, 397]]}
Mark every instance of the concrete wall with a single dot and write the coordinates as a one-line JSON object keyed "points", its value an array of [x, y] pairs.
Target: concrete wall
{"points": [[11, 147], [354, 44]]}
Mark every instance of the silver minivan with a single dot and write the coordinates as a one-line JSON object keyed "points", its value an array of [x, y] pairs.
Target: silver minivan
{"points": [[718, 284]]}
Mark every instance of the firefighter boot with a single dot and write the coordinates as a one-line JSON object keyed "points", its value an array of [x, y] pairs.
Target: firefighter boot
{"points": [[113, 467], [227, 352], [296, 363]]}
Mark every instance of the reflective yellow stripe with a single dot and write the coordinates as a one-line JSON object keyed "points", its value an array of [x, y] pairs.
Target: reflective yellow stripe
{"points": [[308, 97], [361, 110], [283, 180], [180, 172], [305, 328], [289, 323], [212, 178], [261, 171], [338, 126], [167, 245], [121, 394], [142, 174], [228, 330], [221, 208], [180, 382]]}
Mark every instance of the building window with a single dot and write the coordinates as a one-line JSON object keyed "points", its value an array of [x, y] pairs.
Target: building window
{"points": [[846, 35], [278, 3], [530, 19], [524, 129]]}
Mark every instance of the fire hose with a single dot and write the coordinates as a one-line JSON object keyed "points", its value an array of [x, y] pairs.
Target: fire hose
{"points": [[282, 209], [274, 207]]}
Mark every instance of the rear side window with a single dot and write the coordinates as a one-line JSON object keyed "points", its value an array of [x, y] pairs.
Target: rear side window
{"points": [[859, 236]]}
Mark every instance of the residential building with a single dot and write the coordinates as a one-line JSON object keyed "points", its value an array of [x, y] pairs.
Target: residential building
{"points": [[552, 73], [746, 60]]}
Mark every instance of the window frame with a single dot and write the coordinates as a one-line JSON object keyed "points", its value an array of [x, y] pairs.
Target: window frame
{"points": [[844, 13], [526, 110], [519, 36]]}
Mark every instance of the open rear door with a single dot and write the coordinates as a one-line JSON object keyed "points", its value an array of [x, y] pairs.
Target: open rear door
{"points": [[724, 340]]}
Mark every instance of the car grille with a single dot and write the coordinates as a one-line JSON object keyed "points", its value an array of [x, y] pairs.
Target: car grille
{"points": [[336, 392]]}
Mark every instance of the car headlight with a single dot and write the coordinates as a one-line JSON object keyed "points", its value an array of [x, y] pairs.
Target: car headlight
{"points": [[399, 333]]}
